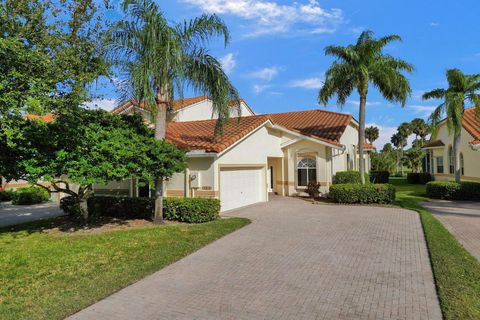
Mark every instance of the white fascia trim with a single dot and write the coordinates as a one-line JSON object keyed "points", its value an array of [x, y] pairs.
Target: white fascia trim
{"points": [[290, 142], [430, 148], [308, 138], [245, 137], [192, 105], [200, 154]]}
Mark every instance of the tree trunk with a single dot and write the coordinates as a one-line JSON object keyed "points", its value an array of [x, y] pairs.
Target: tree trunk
{"points": [[456, 151], [162, 101], [361, 137]]}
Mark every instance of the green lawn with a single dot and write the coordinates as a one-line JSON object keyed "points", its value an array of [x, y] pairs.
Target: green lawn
{"points": [[50, 276], [457, 273]]}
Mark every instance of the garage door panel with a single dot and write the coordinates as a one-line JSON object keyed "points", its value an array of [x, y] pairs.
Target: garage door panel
{"points": [[241, 187]]}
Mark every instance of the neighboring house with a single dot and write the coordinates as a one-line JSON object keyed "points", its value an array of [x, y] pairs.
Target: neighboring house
{"points": [[257, 155], [440, 157], [187, 109]]}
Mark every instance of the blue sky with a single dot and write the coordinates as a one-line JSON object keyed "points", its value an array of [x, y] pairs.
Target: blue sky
{"points": [[276, 59]]}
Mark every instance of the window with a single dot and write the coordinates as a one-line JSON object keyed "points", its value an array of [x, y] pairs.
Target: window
{"points": [[462, 164], [451, 160], [307, 171], [439, 164]]}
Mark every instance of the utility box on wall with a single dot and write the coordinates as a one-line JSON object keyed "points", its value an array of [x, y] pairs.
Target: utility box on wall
{"points": [[195, 180]]}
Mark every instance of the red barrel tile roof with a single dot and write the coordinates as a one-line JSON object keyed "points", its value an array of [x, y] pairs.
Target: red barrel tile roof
{"points": [[471, 123], [434, 144], [322, 125], [177, 104]]}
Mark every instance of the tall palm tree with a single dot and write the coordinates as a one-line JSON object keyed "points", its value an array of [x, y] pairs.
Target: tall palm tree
{"points": [[160, 58], [461, 88], [357, 66]]}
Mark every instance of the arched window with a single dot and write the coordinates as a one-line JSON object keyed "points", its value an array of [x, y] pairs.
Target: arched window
{"points": [[462, 164], [451, 160], [307, 171]]}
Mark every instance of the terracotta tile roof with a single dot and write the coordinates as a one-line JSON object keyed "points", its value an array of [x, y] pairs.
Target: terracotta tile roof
{"points": [[324, 125], [471, 123], [198, 135], [369, 146], [177, 104], [47, 118], [318, 124], [434, 144]]}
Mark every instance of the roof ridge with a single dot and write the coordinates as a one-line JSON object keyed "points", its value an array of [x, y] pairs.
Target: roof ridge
{"points": [[310, 110]]}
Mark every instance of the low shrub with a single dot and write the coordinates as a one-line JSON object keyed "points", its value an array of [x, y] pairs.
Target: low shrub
{"points": [[70, 206], [419, 177], [190, 210], [379, 176], [30, 195], [449, 190], [6, 195], [357, 193], [343, 177]]}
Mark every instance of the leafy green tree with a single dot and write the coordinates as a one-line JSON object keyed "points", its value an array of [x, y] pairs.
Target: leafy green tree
{"points": [[359, 65], [413, 159], [387, 148], [461, 88], [160, 58], [81, 148], [50, 52], [372, 133], [383, 161]]}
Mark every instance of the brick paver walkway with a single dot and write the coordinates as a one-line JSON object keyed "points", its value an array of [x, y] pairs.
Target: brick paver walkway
{"points": [[295, 261], [462, 219]]}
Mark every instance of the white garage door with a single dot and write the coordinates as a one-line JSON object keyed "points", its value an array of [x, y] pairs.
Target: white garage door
{"points": [[240, 187]]}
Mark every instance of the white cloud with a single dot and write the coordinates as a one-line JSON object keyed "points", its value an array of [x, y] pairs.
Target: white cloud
{"points": [[228, 62], [434, 24], [266, 73], [270, 17], [423, 111], [309, 83], [385, 133], [259, 88], [368, 104], [106, 104]]}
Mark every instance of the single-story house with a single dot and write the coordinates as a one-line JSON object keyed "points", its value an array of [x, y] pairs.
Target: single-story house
{"points": [[440, 158], [257, 155]]}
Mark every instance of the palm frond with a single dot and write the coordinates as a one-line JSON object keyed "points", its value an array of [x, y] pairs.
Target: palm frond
{"points": [[434, 94], [340, 80], [201, 29], [347, 54]]}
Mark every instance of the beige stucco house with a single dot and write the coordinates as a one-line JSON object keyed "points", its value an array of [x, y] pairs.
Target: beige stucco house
{"points": [[440, 157], [257, 155]]}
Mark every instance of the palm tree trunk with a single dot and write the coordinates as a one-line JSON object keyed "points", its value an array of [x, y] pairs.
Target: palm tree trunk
{"points": [[160, 133], [361, 136], [456, 150]]}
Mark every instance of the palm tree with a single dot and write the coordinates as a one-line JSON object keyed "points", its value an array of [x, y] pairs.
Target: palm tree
{"points": [[160, 58], [371, 134], [461, 88], [359, 65]]}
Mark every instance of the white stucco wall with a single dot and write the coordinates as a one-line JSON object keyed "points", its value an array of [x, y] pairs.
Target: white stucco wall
{"points": [[203, 111], [471, 157]]}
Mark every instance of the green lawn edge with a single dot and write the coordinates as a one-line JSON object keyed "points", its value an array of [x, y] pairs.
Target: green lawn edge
{"points": [[51, 276], [456, 271]]}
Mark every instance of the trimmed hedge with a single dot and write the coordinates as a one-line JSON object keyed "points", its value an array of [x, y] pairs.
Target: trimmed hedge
{"points": [[419, 178], [379, 176], [70, 206], [343, 177], [6, 195], [190, 210], [449, 190], [30, 195], [365, 194]]}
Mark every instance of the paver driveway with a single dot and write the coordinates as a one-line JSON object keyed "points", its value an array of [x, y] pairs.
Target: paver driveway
{"points": [[295, 261], [11, 214], [462, 219]]}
